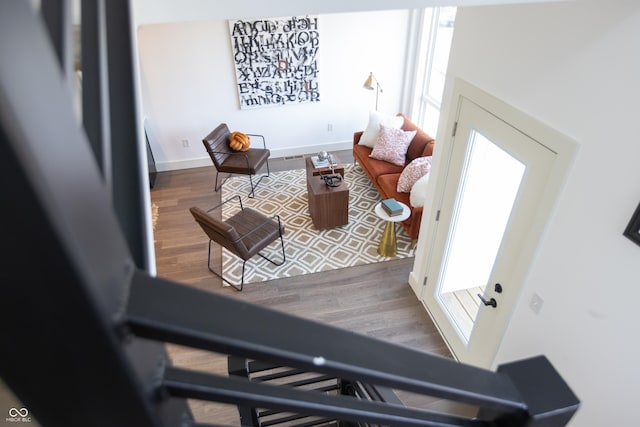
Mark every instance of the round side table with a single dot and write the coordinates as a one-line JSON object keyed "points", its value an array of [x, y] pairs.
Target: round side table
{"points": [[388, 246]]}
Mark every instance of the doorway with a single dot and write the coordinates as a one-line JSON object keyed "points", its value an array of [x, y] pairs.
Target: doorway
{"points": [[496, 186]]}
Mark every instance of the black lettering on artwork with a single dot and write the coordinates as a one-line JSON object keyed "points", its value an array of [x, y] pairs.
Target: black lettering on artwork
{"points": [[276, 60]]}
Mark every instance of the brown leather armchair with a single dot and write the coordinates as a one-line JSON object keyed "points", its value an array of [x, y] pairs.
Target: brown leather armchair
{"points": [[228, 161], [245, 234]]}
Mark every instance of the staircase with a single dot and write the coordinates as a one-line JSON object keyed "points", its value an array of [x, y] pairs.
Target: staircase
{"points": [[267, 373]]}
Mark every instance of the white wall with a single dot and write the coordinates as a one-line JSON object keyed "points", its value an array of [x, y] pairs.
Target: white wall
{"points": [[188, 86], [576, 67]]}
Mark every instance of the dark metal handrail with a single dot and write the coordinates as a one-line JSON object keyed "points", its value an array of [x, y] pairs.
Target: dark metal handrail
{"points": [[168, 312], [213, 322]]}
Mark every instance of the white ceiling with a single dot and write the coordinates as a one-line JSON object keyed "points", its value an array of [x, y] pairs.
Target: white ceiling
{"points": [[156, 11]]}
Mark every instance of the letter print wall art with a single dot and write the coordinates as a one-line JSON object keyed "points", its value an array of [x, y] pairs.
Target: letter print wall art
{"points": [[276, 61]]}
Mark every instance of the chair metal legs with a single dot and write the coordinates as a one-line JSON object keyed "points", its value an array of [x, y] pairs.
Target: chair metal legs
{"points": [[253, 186], [234, 285]]}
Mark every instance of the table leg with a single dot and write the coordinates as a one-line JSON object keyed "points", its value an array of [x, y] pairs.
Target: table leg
{"points": [[388, 246]]}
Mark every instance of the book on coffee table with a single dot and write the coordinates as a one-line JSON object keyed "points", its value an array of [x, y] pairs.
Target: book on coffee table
{"points": [[317, 163], [391, 207]]}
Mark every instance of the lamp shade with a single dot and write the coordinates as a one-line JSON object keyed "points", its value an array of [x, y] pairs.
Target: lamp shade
{"points": [[368, 84]]}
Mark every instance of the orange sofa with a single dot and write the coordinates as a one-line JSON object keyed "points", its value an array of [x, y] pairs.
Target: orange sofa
{"points": [[385, 175]]}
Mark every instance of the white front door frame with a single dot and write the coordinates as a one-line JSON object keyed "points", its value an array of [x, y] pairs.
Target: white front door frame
{"points": [[565, 147]]}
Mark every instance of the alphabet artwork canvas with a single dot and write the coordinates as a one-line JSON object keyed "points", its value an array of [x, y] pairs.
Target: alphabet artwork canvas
{"points": [[276, 60]]}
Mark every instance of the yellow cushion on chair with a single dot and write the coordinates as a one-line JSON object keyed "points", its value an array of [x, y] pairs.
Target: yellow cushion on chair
{"points": [[239, 141]]}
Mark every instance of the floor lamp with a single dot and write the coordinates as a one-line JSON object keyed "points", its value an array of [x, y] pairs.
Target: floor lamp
{"points": [[368, 84]]}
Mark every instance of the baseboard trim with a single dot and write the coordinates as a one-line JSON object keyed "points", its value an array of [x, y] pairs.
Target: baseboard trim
{"points": [[311, 149], [275, 153], [183, 164], [414, 283]]}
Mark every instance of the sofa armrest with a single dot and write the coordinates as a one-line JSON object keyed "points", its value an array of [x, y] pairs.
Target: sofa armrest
{"points": [[357, 136]]}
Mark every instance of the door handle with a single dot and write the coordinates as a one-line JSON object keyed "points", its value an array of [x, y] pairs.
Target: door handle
{"points": [[492, 302]]}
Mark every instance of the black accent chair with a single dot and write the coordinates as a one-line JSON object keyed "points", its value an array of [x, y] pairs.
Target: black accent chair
{"points": [[245, 234], [231, 162]]}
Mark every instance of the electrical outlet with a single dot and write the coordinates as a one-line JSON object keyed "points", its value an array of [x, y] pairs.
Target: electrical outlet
{"points": [[536, 303], [185, 143], [330, 127]]}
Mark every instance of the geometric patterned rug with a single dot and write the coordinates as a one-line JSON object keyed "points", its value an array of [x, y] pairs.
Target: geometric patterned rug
{"points": [[307, 249]]}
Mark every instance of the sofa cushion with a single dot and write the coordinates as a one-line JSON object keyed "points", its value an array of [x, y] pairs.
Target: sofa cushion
{"points": [[370, 135], [388, 183], [373, 166], [413, 172], [392, 145]]}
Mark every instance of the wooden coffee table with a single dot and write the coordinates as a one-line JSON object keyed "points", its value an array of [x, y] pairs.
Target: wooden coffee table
{"points": [[328, 206]]}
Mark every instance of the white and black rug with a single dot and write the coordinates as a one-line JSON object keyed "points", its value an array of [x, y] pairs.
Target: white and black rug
{"points": [[309, 250]]}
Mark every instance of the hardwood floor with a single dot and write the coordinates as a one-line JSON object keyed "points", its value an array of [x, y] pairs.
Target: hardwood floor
{"points": [[374, 299]]}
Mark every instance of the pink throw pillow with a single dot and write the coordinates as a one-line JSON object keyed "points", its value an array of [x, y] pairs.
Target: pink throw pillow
{"points": [[392, 145], [415, 170]]}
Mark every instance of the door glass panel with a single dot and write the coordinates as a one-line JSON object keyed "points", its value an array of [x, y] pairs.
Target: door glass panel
{"points": [[485, 199]]}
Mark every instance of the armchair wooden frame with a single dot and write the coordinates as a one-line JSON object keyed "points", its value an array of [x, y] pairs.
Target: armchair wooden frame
{"points": [[233, 162], [245, 234]]}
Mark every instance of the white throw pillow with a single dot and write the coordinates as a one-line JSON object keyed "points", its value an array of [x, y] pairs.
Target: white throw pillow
{"points": [[415, 170], [369, 137], [419, 191]]}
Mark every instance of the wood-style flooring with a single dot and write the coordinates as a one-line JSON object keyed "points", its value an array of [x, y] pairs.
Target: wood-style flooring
{"points": [[374, 299], [463, 306]]}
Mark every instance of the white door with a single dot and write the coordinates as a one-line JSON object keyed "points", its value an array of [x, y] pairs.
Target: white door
{"points": [[495, 181]]}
